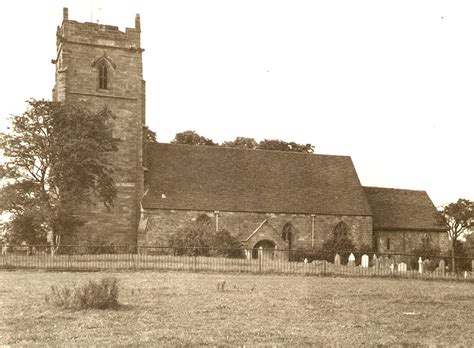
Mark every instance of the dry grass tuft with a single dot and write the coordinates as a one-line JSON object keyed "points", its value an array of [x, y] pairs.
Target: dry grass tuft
{"points": [[98, 295]]}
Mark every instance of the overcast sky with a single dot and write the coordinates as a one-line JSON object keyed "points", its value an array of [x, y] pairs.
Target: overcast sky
{"points": [[389, 83]]}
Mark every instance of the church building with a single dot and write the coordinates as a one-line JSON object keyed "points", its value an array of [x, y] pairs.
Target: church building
{"points": [[272, 199]]}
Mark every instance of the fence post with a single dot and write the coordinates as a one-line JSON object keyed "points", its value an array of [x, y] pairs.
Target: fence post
{"points": [[133, 262], [260, 258]]}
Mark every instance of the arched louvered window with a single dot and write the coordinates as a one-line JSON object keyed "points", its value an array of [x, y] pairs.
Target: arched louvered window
{"points": [[103, 75]]}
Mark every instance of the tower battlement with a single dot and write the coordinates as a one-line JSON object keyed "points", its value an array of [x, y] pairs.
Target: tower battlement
{"points": [[99, 34]]}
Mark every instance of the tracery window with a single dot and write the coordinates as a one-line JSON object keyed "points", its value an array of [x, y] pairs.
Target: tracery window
{"points": [[341, 231]]}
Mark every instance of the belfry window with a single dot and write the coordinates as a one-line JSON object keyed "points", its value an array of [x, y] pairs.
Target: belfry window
{"points": [[103, 76]]}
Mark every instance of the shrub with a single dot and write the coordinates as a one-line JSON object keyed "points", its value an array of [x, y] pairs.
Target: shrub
{"points": [[463, 262], [226, 245], [98, 295], [200, 240], [426, 252], [340, 243], [192, 241], [363, 249], [299, 255]]}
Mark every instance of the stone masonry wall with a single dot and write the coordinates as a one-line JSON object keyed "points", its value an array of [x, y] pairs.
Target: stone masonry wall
{"points": [[405, 241], [162, 223], [82, 47]]}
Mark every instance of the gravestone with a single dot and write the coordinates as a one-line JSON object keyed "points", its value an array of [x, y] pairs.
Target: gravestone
{"points": [[420, 265], [402, 267], [352, 260], [392, 267], [442, 266], [337, 260], [365, 261]]}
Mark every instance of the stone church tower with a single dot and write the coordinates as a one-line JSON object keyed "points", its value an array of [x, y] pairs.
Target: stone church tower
{"points": [[101, 65]]}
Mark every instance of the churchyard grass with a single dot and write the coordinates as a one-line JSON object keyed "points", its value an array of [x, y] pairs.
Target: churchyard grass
{"points": [[184, 308]]}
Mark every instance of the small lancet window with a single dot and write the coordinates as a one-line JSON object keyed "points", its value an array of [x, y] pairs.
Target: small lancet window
{"points": [[103, 76], [287, 234]]}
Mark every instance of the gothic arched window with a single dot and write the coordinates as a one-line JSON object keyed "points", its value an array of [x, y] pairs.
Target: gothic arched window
{"points": [[341, 230], [204, 220], [426, 240], [103, 75], [287, 233]]}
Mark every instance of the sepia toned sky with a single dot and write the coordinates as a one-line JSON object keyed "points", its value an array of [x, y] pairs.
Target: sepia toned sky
{"points": [[389, 83]]}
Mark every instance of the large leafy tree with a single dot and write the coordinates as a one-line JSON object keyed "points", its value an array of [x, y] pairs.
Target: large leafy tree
{"points": [[280, 145], [458, 218], [56, 160], [241, 143], [192, 138]]}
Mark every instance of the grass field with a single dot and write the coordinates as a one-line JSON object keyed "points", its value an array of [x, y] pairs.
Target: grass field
{"points": [[168, 308]]}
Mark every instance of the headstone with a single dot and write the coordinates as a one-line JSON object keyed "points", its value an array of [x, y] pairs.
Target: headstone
{"points": [[420, 265], [305, 260], [402, 267], [365, 261], [352, 260], [392, 267], [337, 260], [442, 266]]}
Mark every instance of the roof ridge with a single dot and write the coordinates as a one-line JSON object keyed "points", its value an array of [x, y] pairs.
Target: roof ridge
{"points": [[228, 148], [392, 188]]}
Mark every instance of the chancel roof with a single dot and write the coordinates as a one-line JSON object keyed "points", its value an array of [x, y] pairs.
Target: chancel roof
{"points": [[396, 209]]}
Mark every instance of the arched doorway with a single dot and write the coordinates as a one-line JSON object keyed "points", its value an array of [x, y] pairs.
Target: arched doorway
{"points": [[268, 249]]}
